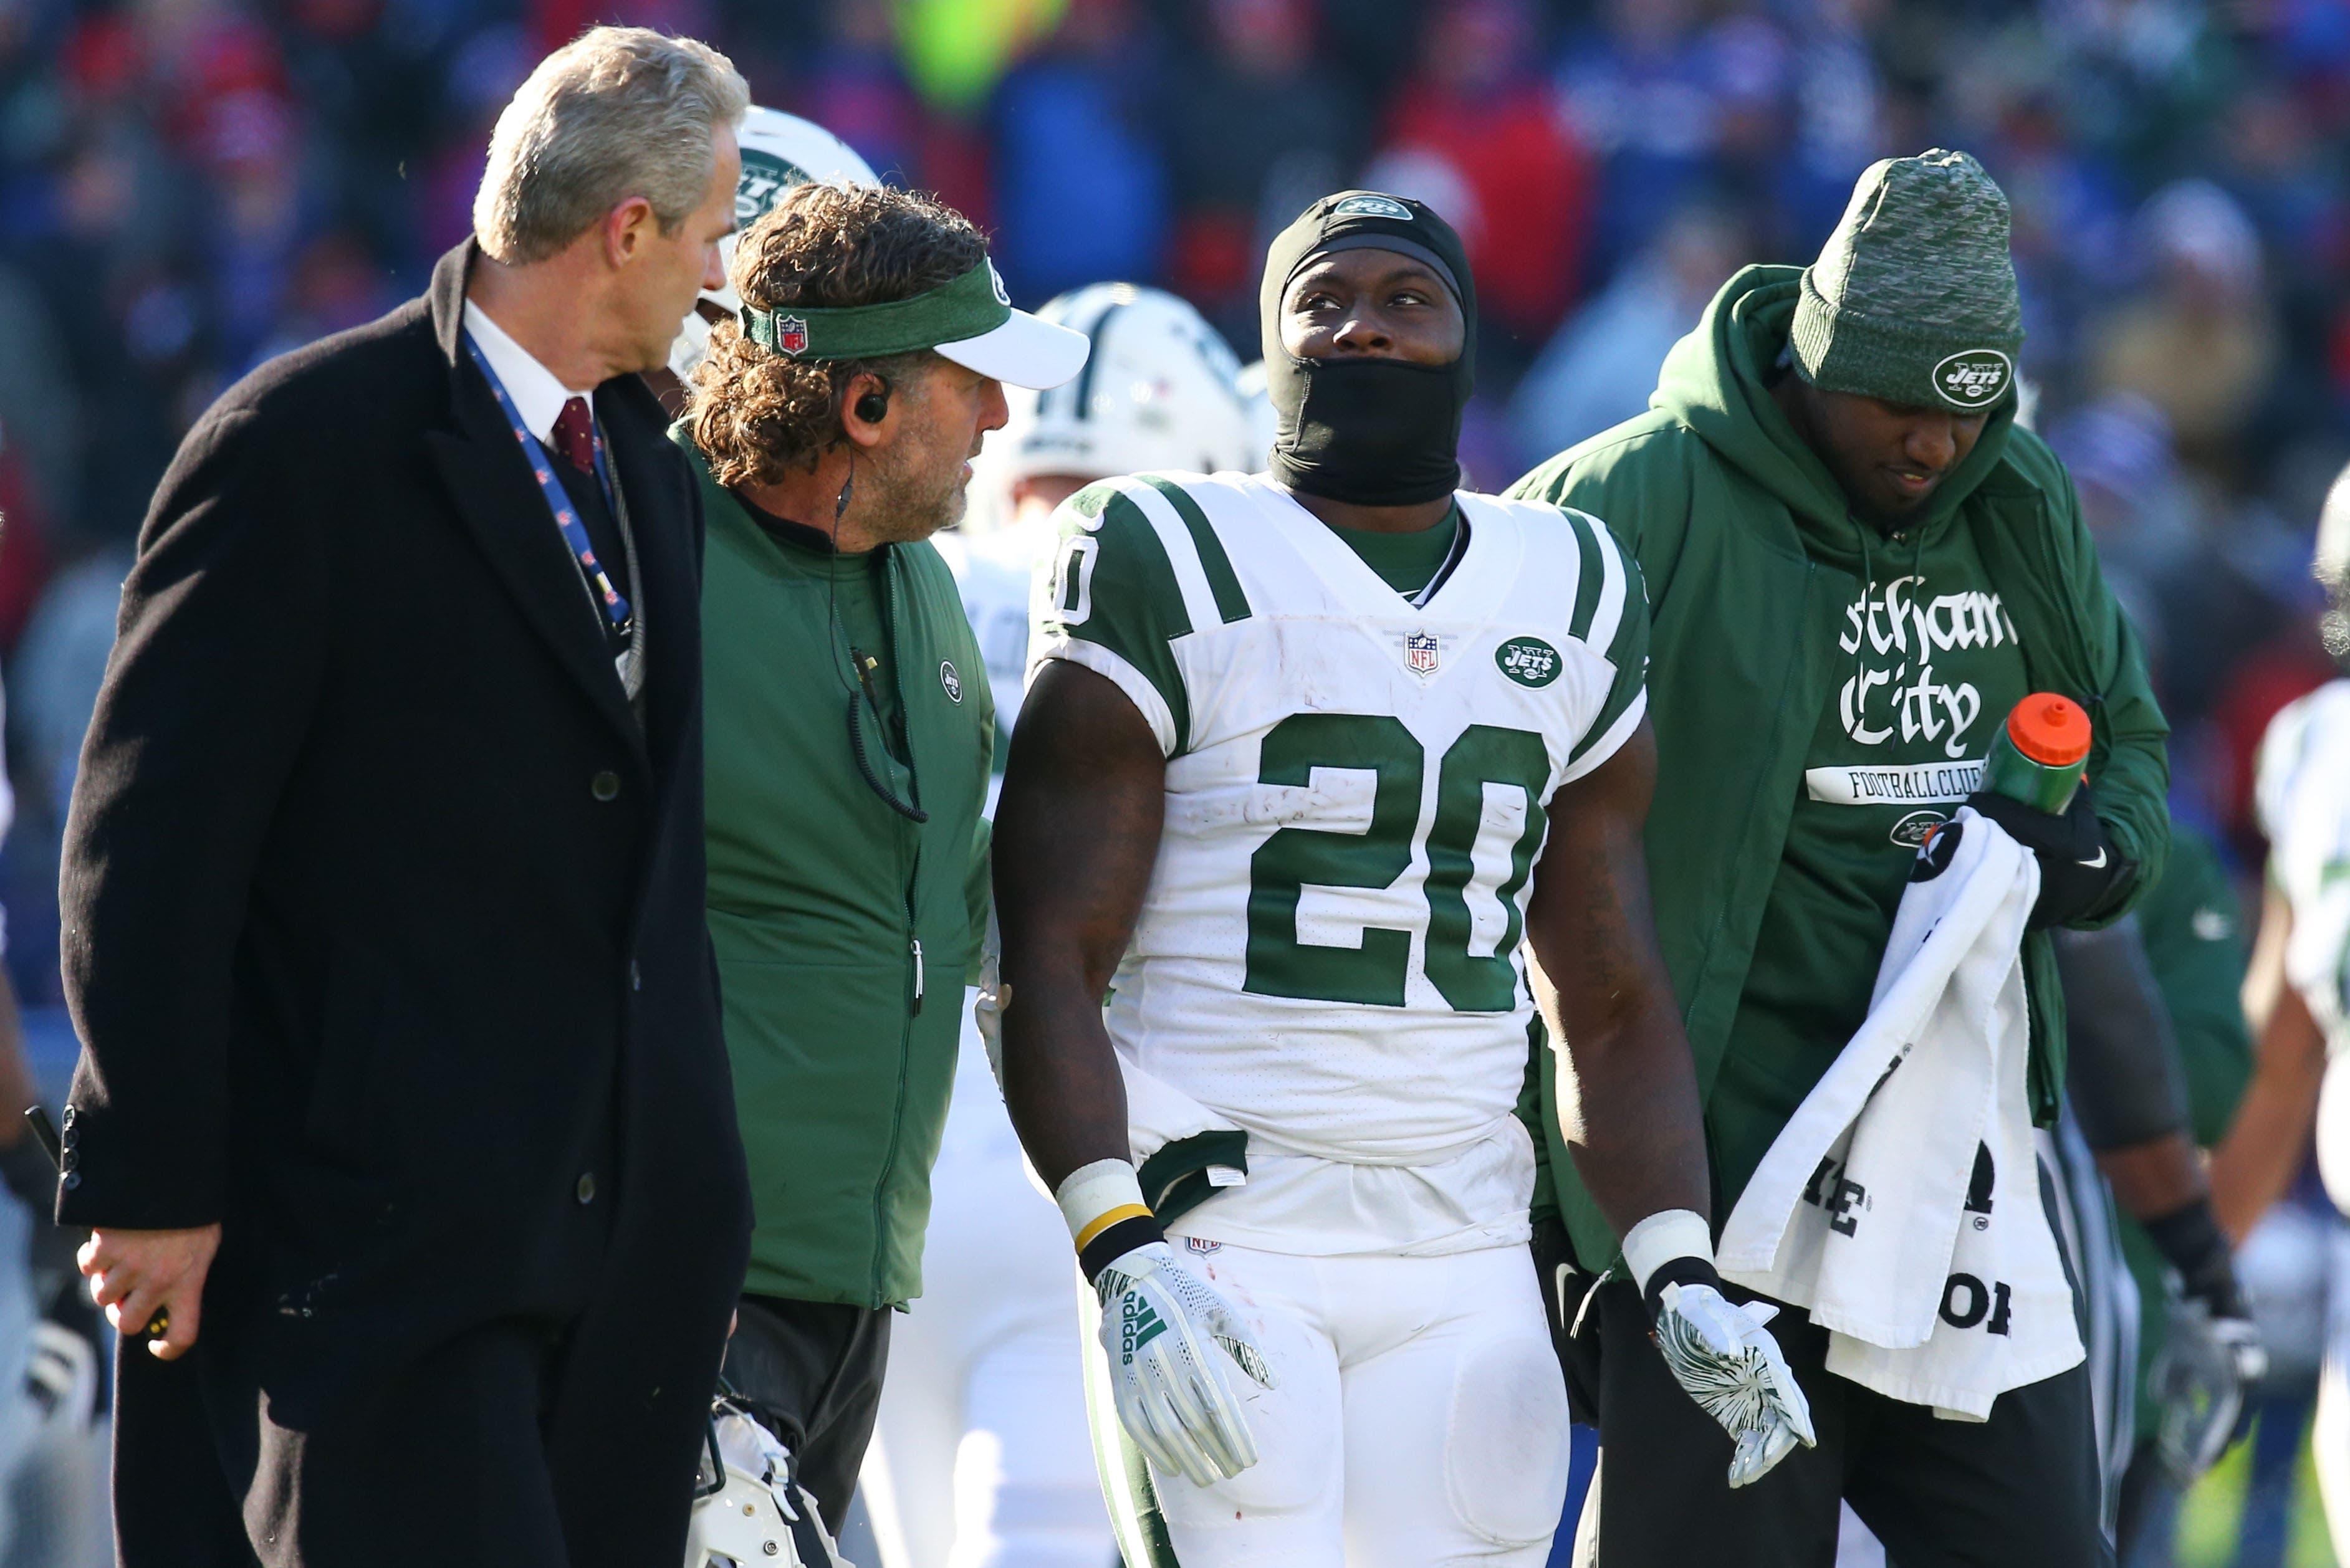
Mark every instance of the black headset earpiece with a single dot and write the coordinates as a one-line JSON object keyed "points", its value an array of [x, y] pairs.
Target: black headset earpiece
{"points": [[874, 406]]}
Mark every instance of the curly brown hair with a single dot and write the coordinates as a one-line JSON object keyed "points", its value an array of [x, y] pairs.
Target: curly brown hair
{"points": [[757, 413]]}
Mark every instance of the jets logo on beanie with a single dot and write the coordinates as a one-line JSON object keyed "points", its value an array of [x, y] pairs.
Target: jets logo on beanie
{"points": [[1913, 298]]}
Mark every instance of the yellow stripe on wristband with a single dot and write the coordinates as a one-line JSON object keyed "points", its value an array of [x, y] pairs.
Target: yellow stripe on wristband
{"points": [[1102, 1222]]}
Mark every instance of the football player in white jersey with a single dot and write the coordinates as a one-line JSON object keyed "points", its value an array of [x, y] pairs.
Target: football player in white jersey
{"points": [[980, 1456], [1305, 754], [2299, 988]]}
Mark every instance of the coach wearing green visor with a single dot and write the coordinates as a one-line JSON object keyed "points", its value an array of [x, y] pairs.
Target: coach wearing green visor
{"points": [[851, 731]]}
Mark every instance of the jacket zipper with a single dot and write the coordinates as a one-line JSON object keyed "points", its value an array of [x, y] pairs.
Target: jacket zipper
{"points": [[913, 941]]}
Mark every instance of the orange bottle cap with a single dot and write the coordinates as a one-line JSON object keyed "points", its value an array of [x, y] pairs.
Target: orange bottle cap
{"points": [[2051, 730]]}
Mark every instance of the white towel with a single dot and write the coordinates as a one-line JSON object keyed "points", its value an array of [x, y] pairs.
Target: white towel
{"points": [[1900, 1205]]}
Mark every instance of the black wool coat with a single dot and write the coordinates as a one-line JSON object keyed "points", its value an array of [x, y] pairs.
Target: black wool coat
{"points": [[384, 919]]}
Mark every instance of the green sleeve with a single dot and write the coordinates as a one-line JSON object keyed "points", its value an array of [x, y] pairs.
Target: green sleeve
{"points": [[2129, 764], [1113, 605], [2193, 930]]}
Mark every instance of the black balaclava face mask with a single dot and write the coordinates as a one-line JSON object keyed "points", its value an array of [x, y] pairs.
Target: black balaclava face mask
{"points": [[1375, 433]]}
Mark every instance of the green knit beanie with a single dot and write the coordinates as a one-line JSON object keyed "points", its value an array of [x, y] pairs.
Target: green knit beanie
{"points": [[1913, 298]]}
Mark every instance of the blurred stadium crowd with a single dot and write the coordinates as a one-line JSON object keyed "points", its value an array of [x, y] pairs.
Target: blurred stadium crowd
{"points": [[188, 186]]}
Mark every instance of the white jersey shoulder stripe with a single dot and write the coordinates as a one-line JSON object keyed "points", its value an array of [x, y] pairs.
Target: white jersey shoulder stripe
{"points": [[1608, 744], [1115, 668], [1614, 581], [1183, 552]]}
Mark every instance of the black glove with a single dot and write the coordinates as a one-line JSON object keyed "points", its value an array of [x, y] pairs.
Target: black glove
{"points": [[2079, 866], [2190, 1241]]}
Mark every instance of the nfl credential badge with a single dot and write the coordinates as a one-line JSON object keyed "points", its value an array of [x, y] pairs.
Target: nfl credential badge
{"points": [[1422, 653], [949, 680], [791, 334]]}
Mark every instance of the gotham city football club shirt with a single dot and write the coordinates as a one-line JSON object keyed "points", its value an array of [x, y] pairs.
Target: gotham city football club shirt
{"points": [[1932, 668]]}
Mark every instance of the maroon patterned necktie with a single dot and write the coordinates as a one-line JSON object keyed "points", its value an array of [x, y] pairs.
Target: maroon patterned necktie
{"points": [[575, 436]]}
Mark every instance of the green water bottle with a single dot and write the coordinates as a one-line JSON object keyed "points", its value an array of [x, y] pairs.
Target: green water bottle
{"points": [[2037, 756]]}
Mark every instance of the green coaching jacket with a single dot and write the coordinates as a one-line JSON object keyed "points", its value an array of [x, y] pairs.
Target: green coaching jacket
{"points": [[1716, 494], [841, 1029]]}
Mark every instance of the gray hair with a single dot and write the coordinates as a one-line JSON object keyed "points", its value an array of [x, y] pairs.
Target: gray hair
{"points": [[616, 112]]}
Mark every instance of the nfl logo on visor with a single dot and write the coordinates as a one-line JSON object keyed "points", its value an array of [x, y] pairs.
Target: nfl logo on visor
{"points": [[1420, 653], [791, 334]]}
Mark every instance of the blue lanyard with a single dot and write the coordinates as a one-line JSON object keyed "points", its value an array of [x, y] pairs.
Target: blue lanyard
{"points": [[566, 517]]}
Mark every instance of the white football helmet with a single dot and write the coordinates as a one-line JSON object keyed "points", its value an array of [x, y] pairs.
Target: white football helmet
{"points": [[779, 151], [1264, 424], [748, 1512], [1157, 392], [2332, 564]]}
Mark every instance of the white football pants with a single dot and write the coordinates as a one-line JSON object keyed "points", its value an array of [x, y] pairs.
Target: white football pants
{"points": [[1419, 1421], [980, 1456]]}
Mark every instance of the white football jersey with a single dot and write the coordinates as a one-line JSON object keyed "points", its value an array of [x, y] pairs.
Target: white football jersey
{"points": [[991, 570], [1327, 956], [2303, 795]]}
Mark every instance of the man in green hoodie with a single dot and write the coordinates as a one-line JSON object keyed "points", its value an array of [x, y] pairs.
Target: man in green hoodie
{"points": [[1856, 564], [850, 736]]}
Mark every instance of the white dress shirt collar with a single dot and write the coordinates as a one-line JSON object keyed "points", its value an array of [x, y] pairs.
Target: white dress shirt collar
{"points": [[537, 395]]}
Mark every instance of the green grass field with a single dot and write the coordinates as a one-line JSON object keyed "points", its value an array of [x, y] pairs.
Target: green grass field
{"points": [[2208, 1520]]}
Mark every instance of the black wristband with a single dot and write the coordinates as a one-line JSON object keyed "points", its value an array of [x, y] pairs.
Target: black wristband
{"points": [[1682, 1271], [2190, 1241], [1139, 1230]]}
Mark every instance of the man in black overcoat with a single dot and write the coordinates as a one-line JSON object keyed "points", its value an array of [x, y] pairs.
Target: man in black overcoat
{"points": [[403, 1092]]}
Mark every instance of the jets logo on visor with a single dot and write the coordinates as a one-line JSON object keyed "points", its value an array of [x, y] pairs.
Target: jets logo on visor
{"points": [[995, 280], [1373, 207]]}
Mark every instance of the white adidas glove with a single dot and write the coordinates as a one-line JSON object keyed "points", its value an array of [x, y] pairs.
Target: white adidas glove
{"points": [[2208, 1366], [1731, 1366], [1719, 1353], [1159, 1320]]}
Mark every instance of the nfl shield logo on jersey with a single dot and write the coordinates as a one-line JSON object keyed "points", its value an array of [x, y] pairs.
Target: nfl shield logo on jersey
{"points": [[791, 334], [1419, 652]]}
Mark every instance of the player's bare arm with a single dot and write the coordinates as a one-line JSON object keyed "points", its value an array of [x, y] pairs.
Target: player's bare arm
{"points": [[1627, 1088], [2268, 1140], [1077, 831], [1627, 1103]]}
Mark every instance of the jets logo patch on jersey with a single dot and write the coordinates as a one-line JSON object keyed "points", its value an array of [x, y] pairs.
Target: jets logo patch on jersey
{"points": [[1528, 661]]}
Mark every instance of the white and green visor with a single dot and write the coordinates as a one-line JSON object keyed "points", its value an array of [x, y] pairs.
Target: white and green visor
{"points": [[968, 320]]}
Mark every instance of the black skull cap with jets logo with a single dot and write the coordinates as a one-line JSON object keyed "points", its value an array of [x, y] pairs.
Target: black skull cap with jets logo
{"points": [[1377, 433]]}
